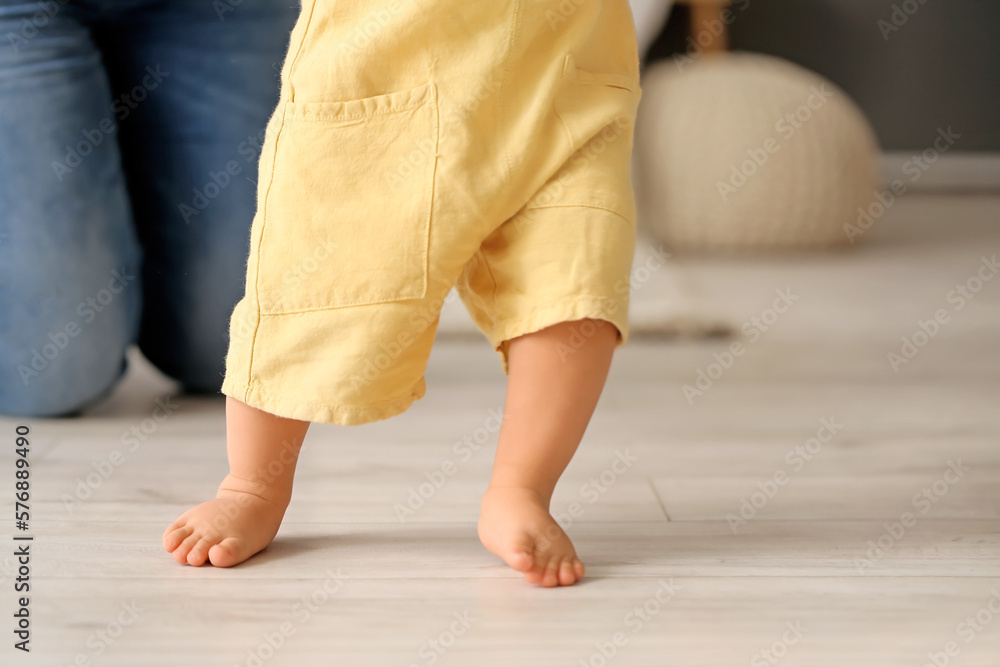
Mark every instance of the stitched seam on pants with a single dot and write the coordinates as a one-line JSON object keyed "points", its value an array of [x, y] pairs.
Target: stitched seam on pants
{"points": [[374, 114], [493, 290], [604, 309], [515, 24], [270, 182], [567, 61], [593, 206], [260, 243], [298, 51], [343, 406], [432, 189]]}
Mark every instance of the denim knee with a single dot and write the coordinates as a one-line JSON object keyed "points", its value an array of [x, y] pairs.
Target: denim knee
{"points": [[62, 369]]}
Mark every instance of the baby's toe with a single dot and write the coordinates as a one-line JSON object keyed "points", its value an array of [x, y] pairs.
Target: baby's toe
{"points": [[180, 554], [181, 522], [539, 566], [521, 557], [551, 576], [567, 576], [199, 552], [227, 553], [173, 538], [534, 576]]}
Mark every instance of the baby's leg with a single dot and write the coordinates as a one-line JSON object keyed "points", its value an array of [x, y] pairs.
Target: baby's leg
{"points": [[553, 386], [245, 515]]}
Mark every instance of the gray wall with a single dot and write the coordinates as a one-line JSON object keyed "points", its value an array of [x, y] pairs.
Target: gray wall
{"points": [[941, 68]]}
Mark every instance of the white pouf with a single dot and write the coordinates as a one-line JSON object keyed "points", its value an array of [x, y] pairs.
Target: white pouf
{"points": [[750, 152], [649, 15]]}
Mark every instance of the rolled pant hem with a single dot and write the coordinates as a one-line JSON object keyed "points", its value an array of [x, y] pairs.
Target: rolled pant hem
{"points": [[586, 307], [323, 413]]}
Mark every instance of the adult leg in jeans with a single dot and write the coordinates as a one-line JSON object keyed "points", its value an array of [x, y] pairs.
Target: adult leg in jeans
{"points": [[69, 286], [190, 148]]}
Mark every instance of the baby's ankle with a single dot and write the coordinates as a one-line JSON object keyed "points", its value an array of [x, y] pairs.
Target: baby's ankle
{"points": [[523, 492], [277, 491]]}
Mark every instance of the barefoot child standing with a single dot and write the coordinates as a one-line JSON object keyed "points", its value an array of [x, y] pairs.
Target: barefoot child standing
{"points": [[420, 145]]}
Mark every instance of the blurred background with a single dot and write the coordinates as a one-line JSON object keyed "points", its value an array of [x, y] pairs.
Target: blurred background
{"points": [[938, 66]]}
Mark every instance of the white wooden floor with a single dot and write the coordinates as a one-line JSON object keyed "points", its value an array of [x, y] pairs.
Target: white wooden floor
{"points": [[669, 578]]}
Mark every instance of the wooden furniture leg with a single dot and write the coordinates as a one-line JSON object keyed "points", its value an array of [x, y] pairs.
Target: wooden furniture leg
{"points": [[707, 19]]}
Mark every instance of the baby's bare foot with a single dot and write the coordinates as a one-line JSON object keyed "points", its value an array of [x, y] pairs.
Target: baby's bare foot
{"points": [[515, 524], [242, 520]]}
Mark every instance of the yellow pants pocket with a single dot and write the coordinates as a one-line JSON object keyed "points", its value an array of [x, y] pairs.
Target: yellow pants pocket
{"points": [[346, 212], [598, 112]]}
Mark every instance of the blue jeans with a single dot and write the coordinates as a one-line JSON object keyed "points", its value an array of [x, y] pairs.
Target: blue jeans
{"points": [[129, 138]]}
